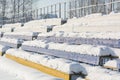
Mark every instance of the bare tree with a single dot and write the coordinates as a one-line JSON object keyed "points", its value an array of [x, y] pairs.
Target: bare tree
{"points": [[3, 10]]}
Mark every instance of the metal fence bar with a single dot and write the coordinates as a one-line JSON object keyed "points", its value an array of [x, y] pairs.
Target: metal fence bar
{"points": [[69, 9]]}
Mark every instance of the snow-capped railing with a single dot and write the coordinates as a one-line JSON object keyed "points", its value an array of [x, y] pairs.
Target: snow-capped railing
{"points": [[16, 43], [95, 55], [58, 67]]}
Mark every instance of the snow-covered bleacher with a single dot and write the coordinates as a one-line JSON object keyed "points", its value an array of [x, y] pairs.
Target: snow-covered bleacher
{"points": [[111, 39], [15, 43], [81, 49], [21, 35], [95, 55], [65, 69], [92, 23], [10, 27], [39, 25]]}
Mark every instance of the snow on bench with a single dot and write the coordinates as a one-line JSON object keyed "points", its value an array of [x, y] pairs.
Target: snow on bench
{"points": [[96, 24], [96, 55], [111, 39], [16, 43], [6, 29], [44, 25], [3, 49], [23, 72], [12, 25], [98, 73], [54, 66], [32, 29], [21, 35]]}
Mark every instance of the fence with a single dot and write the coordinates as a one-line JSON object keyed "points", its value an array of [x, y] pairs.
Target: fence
{"points": [[69, 9]]}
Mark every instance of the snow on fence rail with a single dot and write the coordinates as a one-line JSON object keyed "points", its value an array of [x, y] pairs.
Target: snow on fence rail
{"points": [[16, 43], [62, 68], [23, 72], [96, 55]]}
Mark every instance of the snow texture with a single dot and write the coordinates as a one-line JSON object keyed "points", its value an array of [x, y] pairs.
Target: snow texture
{"points": [[63, 65], [23, 72]]}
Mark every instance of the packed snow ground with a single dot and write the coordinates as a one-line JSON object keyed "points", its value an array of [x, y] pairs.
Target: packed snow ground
{"points": [[7, 76], [21, 72]]}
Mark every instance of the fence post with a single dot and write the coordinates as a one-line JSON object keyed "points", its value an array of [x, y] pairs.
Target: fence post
{"points": [[59, 10], [65, 10]]}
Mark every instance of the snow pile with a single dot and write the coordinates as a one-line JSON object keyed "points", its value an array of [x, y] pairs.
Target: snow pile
{"points": [[83, 49], [113, 64], [22, 72], [98, 73], [63, 65], [10, 40], [36, 43]]}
